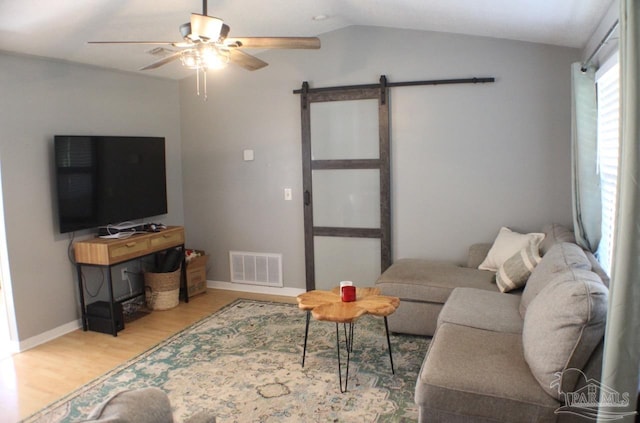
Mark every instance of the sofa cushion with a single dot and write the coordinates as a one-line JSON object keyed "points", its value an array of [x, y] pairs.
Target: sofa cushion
{"points": [[506, 244], [477, 254], [555, 233], [560, 257], [472, 372], [562, 327], [482, 309], [597, 268], [430, 281], [514, 272], [415, 318]]}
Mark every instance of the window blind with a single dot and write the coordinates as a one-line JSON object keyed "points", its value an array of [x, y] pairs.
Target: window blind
{"points": [[608, 91]]}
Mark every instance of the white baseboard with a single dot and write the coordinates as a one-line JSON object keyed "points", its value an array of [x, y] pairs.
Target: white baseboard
{"points": [[71, 326], [255, 289], [48, 335]]}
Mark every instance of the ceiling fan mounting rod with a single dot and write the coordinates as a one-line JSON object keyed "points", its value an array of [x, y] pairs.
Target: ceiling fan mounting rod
{"points": [[204, 7]]}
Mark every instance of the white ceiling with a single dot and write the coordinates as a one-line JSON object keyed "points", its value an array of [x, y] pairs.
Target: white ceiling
{"points": [[60, 28]]}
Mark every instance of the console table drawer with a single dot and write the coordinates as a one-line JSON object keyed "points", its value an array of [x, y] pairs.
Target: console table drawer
{"points": [[134, 247], [101, 251], [166, 240]]}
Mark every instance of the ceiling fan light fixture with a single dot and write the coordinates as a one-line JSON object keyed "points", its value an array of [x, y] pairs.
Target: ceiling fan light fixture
{"points": [[214, 58], [206, 57], [205, 27], [190, 59]]}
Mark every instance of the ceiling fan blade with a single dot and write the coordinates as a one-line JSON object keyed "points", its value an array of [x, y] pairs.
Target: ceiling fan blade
{"points": [[132, 42], [273, 42], [245, 60], [206, 27], [163, 61]]}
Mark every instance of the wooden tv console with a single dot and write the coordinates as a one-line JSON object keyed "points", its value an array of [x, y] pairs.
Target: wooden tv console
{"points": [[104, 252]]}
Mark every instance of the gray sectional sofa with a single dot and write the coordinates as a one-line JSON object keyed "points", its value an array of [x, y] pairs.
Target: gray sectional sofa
{"points": [[504, 357]]}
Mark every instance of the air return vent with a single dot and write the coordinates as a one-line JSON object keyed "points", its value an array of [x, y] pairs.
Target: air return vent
{"points": [[256, 268]]}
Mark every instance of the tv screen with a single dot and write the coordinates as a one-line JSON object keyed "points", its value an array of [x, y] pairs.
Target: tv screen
{"points": [[103, 180]]}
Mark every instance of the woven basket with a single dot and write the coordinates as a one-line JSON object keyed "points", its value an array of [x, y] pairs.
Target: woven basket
{"points": [[162, 290]]}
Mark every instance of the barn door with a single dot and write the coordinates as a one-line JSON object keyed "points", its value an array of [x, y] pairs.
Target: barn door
{"points": [[345, 148]]}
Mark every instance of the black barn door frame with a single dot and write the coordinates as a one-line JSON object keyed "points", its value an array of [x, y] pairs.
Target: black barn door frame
{"points": [[378, 91]]}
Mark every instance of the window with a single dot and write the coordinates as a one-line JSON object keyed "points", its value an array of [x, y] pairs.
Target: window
{"points": [[608, 90]]}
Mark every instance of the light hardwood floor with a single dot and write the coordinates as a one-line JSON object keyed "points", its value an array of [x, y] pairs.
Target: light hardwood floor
{"points": [[32, 379]]}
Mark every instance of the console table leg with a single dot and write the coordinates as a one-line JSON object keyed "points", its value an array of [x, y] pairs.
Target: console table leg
{"points": [[114, 326], [83, 306], [184, 288]]}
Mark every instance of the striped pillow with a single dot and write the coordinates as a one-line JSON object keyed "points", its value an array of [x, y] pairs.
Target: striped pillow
{"points": [[515, 271]]}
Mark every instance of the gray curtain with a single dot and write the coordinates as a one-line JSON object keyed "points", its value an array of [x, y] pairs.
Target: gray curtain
{"points": [[622, 340], [587, 206]]}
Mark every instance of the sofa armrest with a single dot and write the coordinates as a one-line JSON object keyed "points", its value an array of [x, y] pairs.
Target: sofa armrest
{"points": [[477, 254], [146, 405]]}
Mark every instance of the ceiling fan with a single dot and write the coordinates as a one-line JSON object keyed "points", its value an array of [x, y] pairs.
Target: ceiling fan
{"points": [[206, 46]]}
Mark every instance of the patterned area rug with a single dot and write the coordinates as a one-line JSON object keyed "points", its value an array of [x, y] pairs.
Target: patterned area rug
{"points": [[243, 364]]}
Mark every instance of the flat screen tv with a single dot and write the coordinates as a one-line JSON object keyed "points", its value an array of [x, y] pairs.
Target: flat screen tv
{"points": [[103, 180]]}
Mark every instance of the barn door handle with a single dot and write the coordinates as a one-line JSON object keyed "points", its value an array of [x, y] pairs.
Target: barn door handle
{"points": [[307, 198]]}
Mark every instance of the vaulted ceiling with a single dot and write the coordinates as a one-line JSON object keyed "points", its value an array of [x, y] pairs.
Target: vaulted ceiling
{"points": [[60, 28]]}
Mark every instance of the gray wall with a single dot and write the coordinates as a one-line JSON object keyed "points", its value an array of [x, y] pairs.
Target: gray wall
{"points": [[466, 159], [41, 98]]}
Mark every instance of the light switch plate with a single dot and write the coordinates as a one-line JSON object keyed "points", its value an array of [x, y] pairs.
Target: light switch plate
{"points": [[247, 155], [287, 194]]}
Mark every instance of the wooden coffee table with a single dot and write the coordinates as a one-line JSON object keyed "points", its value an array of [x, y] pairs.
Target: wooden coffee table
{"points": [[328, 306]]}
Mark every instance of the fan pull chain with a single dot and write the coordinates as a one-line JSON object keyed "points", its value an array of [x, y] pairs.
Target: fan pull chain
{"points": [[204, 81], [198, 81]]}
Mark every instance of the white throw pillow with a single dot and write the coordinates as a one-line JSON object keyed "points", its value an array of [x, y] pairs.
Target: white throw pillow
{"points": [[507, 244]]}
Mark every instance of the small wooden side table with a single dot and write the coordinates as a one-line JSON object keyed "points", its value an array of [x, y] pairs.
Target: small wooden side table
{"points": [[328, 306]]}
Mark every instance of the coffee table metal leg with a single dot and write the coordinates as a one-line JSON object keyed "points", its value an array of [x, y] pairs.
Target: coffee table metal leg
{"points": [[349, 336], [349, 346], [386, 327], [306, 335]]}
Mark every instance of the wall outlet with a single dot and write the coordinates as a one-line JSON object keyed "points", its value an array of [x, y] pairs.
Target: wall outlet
{"points": [[123, 273]]}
